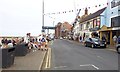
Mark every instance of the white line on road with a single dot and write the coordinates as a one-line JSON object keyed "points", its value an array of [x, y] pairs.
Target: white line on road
{"points": [[90, 65], [95, 67], [111, 49], [100, 57], [86, 65], [60, 67]]}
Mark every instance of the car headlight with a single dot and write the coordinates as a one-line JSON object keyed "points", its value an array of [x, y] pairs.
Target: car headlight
{"points": [[96, 42]]}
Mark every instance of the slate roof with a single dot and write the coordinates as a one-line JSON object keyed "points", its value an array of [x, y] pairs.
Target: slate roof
{"points": [[91, 16]]}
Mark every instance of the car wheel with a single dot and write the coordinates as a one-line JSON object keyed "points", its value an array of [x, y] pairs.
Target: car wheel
{"points": [[92, 45], [105, 46], [118, 50], [85, 45]]}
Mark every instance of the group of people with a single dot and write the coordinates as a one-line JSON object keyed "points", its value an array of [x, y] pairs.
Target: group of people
{"points": [[37, 43], [116, 39], [10, 42], [34, 43]]}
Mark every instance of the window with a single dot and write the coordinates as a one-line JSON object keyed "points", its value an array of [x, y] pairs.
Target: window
{"points": [[87, 25], [115, 3], [94, 23], [115, 22]]}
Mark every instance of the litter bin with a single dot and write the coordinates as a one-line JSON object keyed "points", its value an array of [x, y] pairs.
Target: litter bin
{"points": [[21, 49], [8, 55]]}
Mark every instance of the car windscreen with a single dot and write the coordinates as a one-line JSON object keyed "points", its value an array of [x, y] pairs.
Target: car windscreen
{"points": [[95, 40]]}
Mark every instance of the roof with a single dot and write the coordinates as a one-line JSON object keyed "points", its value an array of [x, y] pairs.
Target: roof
{"points": [[91, 16]]}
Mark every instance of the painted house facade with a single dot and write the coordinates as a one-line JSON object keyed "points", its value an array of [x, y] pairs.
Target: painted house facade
{"points": [[111, 27], [91, 23]]}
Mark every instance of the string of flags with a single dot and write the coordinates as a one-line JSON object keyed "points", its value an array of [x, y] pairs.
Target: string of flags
{"points": [[99, 5]]}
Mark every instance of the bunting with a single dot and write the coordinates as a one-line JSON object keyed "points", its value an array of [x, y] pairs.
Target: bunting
{"points": [[64, 12]]}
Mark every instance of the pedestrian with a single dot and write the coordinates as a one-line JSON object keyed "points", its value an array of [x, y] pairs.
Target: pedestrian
{"points": [[104, 38], [39, 41], [118, 39], [43, 42], [4, 42], [115, 39], [80, 38], [27, 40]]}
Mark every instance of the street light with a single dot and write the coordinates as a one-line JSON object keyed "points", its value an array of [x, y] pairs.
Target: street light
{"points": [[43, 16]]}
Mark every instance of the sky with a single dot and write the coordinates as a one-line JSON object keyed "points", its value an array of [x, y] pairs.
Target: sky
{"points": [[18, 17]]}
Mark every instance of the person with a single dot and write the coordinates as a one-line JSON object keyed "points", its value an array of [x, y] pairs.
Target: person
{"points": [[13, 41], [27, 40], [43, 42], [104, 38], [118, 39], [115, 39], [80, 38], [4, 42], [47, 38], [39, 41]]}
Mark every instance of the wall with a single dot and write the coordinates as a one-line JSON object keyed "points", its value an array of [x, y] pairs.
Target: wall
{"points": [[110, 14]]}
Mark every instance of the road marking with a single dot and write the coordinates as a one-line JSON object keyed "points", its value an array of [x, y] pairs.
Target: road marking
{"points": [[112, 50], [60, 67], [95, 67], [99, 57], [90, 65], [48, 59], [46, 64], [41, 63], [86, 65]]}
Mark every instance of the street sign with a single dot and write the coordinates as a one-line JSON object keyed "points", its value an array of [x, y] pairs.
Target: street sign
{"points": [[47, 27]]}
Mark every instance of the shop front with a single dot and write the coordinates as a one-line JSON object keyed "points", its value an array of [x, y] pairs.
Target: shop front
{"points": [[109, 33]]}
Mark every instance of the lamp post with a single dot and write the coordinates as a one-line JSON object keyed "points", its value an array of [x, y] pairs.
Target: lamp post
{"points": [[43, 16]]}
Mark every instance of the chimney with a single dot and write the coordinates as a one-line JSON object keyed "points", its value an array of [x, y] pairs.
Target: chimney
{"points": [[86, 11]]}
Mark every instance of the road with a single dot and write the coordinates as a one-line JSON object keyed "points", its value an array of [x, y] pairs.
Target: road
{"points": [[69, 55]]}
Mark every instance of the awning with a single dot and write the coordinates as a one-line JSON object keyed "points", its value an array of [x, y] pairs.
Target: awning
{"points": [[105, 28]]}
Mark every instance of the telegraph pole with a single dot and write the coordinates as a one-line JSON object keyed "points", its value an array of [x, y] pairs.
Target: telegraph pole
{"points": [[43, 16]]}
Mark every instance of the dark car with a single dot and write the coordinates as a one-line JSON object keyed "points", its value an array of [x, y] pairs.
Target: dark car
{"points": [[94, 42], [118, 48]]}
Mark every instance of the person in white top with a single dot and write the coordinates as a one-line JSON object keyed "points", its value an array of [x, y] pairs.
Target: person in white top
{"points": [[115, 39], [39, 38], [27, 38]]}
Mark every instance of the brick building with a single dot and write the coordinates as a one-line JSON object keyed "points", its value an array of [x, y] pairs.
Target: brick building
{"points": [[62, 29]]}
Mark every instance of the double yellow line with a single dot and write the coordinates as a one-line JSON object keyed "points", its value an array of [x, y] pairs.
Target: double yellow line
{"points": [[48, 59]]}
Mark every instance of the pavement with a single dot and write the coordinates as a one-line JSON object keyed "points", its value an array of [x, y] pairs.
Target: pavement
{"points": [[32, 61]]}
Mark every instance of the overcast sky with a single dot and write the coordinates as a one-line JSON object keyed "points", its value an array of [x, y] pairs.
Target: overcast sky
{"points": [[18, 17]]}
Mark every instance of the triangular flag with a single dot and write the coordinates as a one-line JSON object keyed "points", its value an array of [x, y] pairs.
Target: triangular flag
{"points": [[107, 3]]}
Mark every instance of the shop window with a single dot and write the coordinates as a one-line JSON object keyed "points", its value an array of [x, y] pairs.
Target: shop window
{"points": [[115, 22]]}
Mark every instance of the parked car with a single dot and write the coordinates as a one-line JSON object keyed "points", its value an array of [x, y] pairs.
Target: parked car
{"points": [[118, 48], [94, 42]]}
